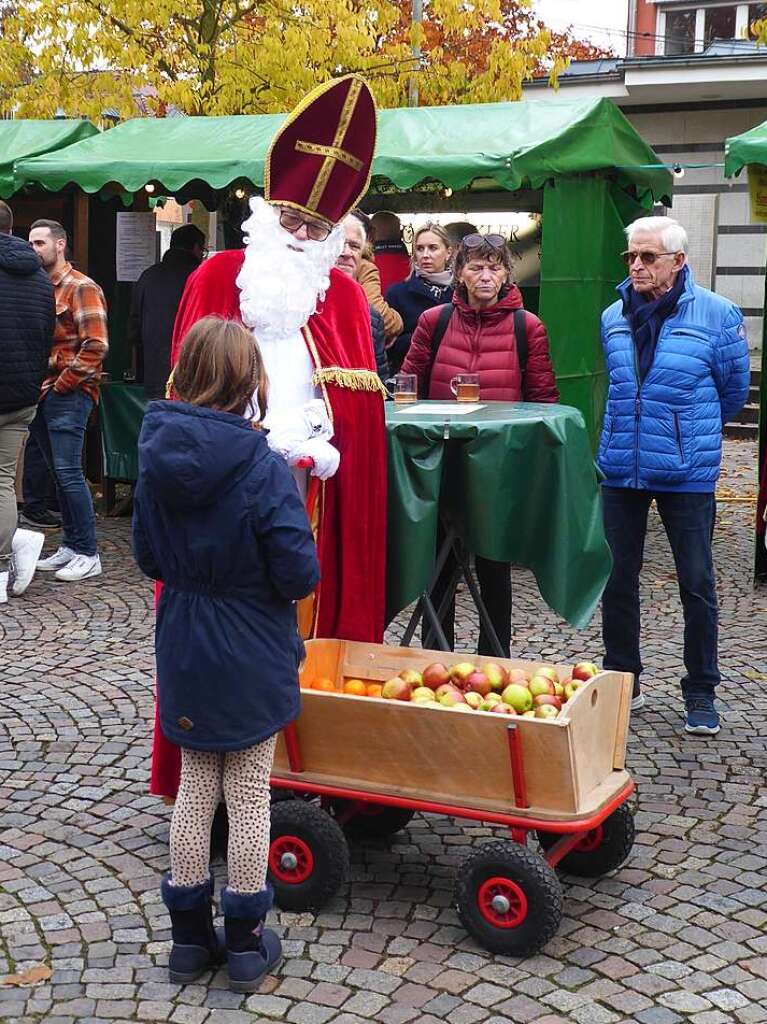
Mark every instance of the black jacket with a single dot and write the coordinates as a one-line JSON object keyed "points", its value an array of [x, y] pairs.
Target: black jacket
{"points": [[411, 298], [379, 343], [156, 296], [27, 319]]}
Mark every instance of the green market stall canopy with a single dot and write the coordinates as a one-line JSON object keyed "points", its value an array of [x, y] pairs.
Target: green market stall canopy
{"points": [[514, 145], [748, 148], [20, 139]]}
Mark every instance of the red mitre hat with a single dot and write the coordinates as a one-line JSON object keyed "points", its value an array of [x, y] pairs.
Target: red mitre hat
{"points": [[319, 161]]}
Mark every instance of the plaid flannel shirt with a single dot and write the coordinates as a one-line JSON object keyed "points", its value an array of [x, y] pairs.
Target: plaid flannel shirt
{"points": [[80, 340]]}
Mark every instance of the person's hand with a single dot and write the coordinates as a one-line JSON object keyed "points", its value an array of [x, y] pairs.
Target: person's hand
{"points": [[289, 428], [325, 457]]}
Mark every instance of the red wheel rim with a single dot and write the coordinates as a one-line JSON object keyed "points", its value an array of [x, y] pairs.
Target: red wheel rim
{"points": [[290, 860], [502, 902], [591, 841]]}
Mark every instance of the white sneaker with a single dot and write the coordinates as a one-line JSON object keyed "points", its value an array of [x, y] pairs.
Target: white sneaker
{"points": [[3, 588], [25, 551], [81, 567], [637, 702], [57, 560]]}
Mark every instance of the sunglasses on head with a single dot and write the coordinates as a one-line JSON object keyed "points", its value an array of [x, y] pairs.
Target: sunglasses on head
{"points": [[497, 242], [646, 256]]}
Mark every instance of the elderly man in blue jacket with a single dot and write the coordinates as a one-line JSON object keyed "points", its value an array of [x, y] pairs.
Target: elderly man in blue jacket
{"points": [[678, 367]]}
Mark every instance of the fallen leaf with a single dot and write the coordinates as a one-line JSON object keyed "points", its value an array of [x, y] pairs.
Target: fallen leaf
{"points": [[32, 976]]}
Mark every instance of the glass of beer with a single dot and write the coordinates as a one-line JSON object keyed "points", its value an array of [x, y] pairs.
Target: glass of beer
{"points": [[465, 387], [403, 388]]}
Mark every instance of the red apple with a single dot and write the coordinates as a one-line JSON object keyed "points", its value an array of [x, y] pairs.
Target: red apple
{"points": [[397, 689], [541, 684], [502, 709], [478, 682], [445, 688], [548, 672], [497, 676], [451, 698], [460, 673], [518, 675], [546, 711], [585, 670], [435, 675], [519, 697], [547, 698]]}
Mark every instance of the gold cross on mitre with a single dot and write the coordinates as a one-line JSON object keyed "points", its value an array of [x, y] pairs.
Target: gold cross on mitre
{"points": [[334, 153]]}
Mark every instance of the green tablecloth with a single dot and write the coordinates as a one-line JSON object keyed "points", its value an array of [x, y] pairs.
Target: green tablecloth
{"points": [[519, 482], [121, 411]]}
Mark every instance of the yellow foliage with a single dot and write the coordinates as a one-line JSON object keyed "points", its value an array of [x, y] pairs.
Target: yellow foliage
{"points": [[242, 56]]}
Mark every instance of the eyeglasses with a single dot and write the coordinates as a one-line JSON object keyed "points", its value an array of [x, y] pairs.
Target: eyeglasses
{"points": [[646, 256], [497, 242], [293, 222]]}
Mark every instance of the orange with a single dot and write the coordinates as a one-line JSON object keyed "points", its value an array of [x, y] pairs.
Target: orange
{"points": [[323, 683], [355, 686], [373, 689]]}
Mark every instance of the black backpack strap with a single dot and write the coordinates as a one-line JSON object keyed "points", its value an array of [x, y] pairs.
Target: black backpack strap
{"points": [[520, 333], [445, 312]]}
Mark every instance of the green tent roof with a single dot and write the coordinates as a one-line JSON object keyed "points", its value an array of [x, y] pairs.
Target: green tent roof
{"points": [[515, 144], [20, 139], [748, 148]]}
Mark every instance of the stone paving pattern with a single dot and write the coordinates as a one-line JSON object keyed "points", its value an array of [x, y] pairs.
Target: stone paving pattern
{"points": [[678, 934]]}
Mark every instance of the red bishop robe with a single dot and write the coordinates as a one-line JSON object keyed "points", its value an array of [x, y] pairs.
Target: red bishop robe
{"points": [[350, 515]]}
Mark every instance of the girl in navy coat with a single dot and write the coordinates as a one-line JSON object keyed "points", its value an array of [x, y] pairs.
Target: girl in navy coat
{"points": [[219, 521]]}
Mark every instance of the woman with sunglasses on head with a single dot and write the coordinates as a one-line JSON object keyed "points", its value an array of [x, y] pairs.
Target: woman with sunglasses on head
{"points": [[430, 284], [480, 337]]}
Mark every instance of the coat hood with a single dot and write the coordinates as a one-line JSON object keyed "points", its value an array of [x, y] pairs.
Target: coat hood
{"points": [[192, 455], [17, 256]]}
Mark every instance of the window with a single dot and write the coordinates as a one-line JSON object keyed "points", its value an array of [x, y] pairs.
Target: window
{"points": [[680, 32], [756, 12], [720, 23]]}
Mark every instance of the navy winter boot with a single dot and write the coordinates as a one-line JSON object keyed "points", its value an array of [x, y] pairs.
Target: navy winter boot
{"points": [[251, 950], [196, 946]]}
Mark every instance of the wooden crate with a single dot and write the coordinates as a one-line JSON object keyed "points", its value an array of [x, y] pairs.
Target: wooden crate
{"points": [[573, 764]]}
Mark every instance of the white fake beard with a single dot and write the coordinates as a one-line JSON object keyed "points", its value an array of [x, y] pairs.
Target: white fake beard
{"points": [[280, 287]]}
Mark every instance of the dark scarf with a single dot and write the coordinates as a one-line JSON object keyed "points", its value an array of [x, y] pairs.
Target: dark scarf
{"points": [[646, 319]]}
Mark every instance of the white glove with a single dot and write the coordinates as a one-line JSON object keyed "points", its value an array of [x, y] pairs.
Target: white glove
{"points": [[290, 427], [326, 458]]}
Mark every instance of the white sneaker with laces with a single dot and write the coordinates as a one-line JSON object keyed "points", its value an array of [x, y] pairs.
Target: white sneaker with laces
{"points": [[3, 588], [25, 551], [57, 560], [81, 567], [637, 702]]}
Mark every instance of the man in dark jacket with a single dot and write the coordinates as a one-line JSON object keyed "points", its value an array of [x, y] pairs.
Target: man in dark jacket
{"points": [[156, 297], [27, 319]]}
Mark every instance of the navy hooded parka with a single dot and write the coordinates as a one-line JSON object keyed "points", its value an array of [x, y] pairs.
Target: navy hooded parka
{"points": [[218, 519]]}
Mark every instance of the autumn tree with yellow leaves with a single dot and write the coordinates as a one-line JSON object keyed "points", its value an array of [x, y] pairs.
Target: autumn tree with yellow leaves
{"points": [[260, 56]]}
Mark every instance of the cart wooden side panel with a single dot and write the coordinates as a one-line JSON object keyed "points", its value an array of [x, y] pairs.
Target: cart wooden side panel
{"points": [[572, 765]]}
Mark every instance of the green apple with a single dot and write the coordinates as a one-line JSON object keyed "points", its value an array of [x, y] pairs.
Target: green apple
{"points": [[518, 697]]}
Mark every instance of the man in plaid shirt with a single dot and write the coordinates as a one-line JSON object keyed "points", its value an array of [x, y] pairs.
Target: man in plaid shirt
{"points": [[69, 393]]}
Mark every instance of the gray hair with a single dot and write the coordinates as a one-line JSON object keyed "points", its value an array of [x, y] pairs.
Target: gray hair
{"points": [[673, 235]]}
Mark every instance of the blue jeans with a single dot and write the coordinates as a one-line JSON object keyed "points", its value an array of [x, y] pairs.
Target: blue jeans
{"points": [[688, 519], [59, 429], [39, 487]]}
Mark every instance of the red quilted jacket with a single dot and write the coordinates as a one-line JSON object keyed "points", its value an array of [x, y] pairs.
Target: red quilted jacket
{"points": [[482, 341]]}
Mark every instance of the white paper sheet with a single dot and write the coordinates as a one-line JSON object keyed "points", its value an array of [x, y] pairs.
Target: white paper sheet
{"points": [[446, 409]]}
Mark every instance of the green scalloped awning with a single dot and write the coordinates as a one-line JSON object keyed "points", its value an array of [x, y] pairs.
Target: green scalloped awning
{"points": [[515, 144], [25, 138], [748, 148]]}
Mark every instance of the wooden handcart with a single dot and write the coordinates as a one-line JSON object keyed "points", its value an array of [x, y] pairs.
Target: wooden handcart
{"points": [[373, 763]]}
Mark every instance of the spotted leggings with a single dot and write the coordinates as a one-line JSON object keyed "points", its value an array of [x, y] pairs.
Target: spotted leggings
{"points": [[242, 777]]}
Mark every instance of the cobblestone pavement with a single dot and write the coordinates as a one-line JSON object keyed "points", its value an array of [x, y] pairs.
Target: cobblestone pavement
{"points": [[678, 934]]}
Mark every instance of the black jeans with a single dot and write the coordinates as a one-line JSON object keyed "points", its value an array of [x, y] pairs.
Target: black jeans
{"points": [[688, 519], [494, 580]]}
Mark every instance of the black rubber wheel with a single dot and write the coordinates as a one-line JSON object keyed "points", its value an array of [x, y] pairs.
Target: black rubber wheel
{"points": [[602, 850], [219, 833], [374, 821], [308, 856], [508, 899]]}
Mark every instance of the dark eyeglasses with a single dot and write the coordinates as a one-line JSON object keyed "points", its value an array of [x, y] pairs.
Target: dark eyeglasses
{"points": [[497, 242], [646, 256], [293, 222]]}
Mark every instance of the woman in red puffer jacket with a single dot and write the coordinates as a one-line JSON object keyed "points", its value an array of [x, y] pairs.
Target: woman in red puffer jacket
{"points": [[479, 338]]}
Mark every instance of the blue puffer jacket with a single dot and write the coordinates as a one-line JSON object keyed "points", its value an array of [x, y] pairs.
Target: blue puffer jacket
{"points": [[667, 435], [218, 519]]}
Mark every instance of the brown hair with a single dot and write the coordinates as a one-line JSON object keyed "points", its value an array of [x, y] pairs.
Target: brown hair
{"points": [[57, 230], [220, 367], [6, 218]]}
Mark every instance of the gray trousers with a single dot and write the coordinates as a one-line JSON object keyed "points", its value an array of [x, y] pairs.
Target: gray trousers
{"points": [[13, 432]]}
